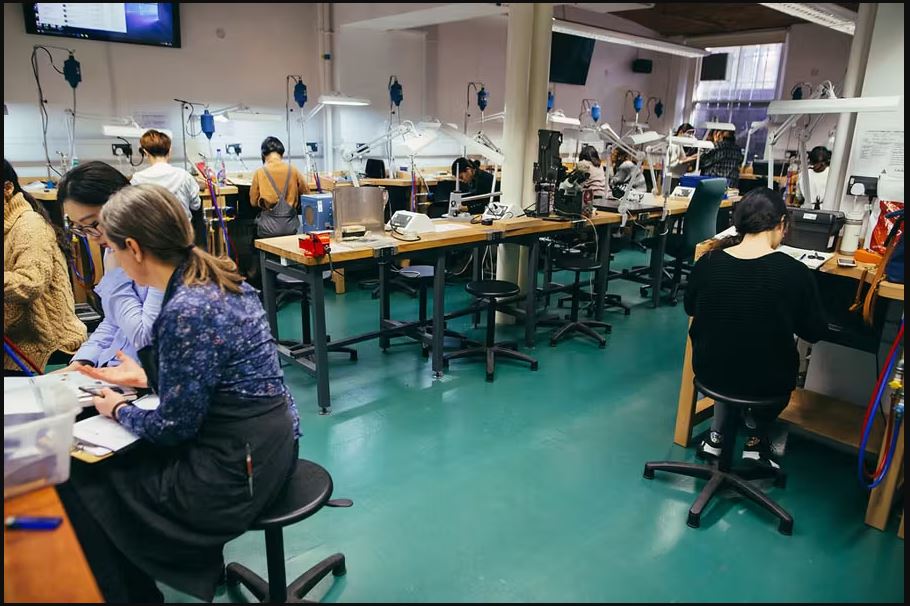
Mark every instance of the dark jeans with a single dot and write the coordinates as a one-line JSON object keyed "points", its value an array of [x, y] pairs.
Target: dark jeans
{"points": [[758, 421]]}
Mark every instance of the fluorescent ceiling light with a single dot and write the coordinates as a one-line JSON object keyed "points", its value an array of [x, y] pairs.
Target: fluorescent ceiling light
{"points": [[835, 106], [558, 117], [221, 118], [613, 37], [826, 14], [643, 138], [720, 126], [337, 98], [252, 116]]}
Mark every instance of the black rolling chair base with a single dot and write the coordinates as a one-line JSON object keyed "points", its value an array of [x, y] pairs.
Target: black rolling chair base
{"points": [[737, 479], [238, 574], [504, 350], [586, 328]]}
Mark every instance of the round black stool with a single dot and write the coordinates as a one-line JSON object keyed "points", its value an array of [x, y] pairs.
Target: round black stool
{"points": [[579, 265], [721, 474], [307, 491], [490, 291]]}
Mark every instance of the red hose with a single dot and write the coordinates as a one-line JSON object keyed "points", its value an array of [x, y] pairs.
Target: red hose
{"points": [[21, 355]]}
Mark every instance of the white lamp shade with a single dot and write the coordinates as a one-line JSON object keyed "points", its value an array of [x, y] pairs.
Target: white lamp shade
{"points": [[835, 106], [721, 125], [253, 117], [644, 138]]}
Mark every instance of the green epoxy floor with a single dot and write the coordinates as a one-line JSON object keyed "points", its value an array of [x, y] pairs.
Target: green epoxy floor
{"points": [[530, 488]]}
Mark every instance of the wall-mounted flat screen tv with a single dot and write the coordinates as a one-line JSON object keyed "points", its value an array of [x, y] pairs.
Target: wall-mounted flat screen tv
{"points": [[152, 23]]}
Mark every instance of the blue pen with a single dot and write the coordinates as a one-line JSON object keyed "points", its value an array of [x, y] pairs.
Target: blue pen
{"points": [[32, 523]]}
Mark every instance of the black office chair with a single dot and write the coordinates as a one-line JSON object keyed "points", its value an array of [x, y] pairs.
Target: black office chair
{"points": [[490, 291], [721, 474], [307, 491], [700, 224], [579, 265]]}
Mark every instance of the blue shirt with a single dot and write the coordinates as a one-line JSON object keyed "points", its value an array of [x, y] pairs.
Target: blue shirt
{"points": [[129, 310], [209, 342]]}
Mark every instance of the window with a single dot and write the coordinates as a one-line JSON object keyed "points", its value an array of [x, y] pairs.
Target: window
{"points": [[742, 97]]}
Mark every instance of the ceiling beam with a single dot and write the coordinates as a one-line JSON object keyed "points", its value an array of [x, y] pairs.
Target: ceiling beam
{"points": [[444, 13]]}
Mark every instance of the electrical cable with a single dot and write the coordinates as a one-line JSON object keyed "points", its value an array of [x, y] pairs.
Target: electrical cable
{"points": [[130, 157], [89, 280], [395, 230], [42, 102]]}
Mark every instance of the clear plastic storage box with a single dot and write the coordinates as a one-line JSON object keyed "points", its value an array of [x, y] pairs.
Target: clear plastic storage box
{"points": [[38, 422]]}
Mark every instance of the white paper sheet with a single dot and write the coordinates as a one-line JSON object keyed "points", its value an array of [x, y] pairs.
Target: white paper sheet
{"points": [[107, 433]]}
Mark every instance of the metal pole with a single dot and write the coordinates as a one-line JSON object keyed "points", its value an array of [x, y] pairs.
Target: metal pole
{"points": [[853, 85]]}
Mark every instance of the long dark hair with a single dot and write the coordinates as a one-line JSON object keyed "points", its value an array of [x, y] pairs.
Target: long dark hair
{"points": [[760, 210], [9, 174], [92, 183], [590, 154], [153, 217]]}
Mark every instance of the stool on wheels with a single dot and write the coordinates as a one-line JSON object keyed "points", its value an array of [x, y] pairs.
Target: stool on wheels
{"points": [[307, 491], [579, 265], [721, 474], [490, 291]]}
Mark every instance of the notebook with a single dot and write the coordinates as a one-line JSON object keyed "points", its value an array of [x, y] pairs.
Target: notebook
{"points": [[101, 436]]}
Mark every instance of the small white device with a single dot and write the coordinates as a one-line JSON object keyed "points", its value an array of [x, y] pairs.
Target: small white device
{"points": [[407, 222], [497, 210], [682, 192], [846, 262]]}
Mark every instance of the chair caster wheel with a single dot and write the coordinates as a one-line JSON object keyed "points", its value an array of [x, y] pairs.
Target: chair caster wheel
{"points": [[426, 353], [627, 312], [353, 356], [694, 520], [643, 292], [648, 473], [489, 377], [340, 570], [785, 527], [673, 302], [534, 366], [603, 345], [552, 343], [780, 481]]}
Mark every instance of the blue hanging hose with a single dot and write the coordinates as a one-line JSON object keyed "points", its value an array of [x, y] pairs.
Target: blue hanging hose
{"points": [[19, 363], [867, 431], [91, 263], [227, 239]]}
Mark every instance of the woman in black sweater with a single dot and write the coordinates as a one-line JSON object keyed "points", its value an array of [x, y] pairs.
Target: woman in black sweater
{"points": [[747, 302]]}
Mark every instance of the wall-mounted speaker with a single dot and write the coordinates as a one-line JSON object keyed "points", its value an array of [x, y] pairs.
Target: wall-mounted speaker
{"points": [[642, 66]]}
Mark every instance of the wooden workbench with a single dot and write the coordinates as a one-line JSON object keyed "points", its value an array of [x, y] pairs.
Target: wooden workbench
{"points": [[44, 566], [824, 417]]}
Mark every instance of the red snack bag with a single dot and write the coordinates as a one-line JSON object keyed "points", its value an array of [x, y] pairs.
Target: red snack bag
{"points": [[883, 225]]}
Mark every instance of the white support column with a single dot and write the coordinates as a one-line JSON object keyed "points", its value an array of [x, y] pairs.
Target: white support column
{"points": [[518, 66], [853, 86]]}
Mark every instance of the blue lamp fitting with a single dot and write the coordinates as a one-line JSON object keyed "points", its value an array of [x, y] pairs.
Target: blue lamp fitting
{"points": [[551, 100], [300, 93], [207, 122], [638, 103], [72, 71], [595, 112], [482, 98], [659, 108], [396, 93]]}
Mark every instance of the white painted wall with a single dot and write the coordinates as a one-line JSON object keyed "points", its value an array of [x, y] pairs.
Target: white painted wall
{"points": [[814, 54], [474, 50], [262, 43]]}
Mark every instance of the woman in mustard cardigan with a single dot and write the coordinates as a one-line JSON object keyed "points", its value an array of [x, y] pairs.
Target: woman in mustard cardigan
{"points": [[39, 313]]}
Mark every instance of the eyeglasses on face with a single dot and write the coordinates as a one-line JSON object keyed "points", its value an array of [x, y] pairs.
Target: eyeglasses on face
{"points": [[93, 229]]}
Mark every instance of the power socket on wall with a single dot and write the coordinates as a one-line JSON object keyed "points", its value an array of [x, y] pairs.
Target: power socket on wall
{"points": [[122, 149], [233, 149]]}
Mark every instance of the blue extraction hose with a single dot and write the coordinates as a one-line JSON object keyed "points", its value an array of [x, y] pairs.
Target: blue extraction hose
{"points": [[868, 429], [19, 363]]}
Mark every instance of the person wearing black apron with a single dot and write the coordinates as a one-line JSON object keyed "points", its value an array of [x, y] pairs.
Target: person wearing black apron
{"points": [[164, 510]]}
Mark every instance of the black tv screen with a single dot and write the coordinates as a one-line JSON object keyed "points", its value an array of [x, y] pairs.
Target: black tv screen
{"points": [[152, 23], [570, 58], [714, 67]]}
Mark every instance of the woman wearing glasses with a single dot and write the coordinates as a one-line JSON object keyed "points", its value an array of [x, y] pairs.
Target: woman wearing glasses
{"points": [[39, 314], [129, 309]]}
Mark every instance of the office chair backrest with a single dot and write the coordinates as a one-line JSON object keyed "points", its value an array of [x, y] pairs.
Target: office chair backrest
{"points": [[701, 218]]}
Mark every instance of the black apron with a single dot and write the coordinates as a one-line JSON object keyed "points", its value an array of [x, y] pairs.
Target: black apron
{"points": [[170, 510], [282, 219]]}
